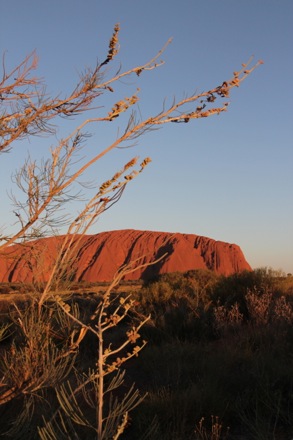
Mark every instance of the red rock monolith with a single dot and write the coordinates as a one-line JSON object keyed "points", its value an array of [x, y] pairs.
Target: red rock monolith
{"points": [[99, 257]]}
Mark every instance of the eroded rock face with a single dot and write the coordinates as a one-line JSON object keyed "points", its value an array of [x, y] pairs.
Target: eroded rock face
{"points": [[99, 256]]}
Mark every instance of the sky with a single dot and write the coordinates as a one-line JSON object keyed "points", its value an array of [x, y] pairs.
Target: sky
{"points": [[227, 177]]}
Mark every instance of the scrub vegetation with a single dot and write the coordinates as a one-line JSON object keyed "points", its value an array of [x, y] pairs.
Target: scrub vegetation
{"points": [[219, 354], [217, 364]]}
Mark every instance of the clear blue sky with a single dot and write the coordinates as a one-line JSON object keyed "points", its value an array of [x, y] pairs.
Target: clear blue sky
{"points": [[228, 177]]}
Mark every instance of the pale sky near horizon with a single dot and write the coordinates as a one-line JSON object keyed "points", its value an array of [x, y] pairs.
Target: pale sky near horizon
{"points": [[227, 177]]}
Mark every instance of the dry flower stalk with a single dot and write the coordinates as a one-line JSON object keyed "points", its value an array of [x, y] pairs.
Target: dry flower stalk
{"points": [[26, 110]]}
